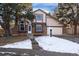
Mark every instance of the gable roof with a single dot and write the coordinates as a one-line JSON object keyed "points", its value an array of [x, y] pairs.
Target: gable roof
{"points": [[47, 14]]}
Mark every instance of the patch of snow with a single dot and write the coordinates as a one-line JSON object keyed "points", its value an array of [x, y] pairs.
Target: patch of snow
{"points": [[26, 44], [24, 54], [8, 52], [57, 44]]}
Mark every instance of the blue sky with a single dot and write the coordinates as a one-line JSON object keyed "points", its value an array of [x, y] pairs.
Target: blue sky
{"points": [[46, 6]]}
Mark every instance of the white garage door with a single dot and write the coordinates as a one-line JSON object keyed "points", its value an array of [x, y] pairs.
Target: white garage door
{"points": [[54, 30]]}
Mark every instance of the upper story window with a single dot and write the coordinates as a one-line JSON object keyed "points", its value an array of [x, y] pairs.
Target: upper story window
{"points": [[39, 17]]}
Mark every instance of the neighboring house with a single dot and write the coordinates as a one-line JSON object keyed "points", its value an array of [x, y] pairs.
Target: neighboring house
{"points": [[43, 24]]}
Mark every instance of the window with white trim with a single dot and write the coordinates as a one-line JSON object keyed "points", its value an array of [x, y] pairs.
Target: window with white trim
{"points": [[39, 28], [39, 17], [21, 25]]}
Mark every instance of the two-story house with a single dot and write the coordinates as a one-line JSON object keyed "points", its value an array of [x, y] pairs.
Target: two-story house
{"points": [[43, 24]]}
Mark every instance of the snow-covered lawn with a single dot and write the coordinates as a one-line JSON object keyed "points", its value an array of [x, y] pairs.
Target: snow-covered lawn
{"points": [[26, 44], [48, 43], [57, 44]]}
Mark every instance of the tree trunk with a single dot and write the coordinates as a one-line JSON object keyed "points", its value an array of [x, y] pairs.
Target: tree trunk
{"points": [[7, 29], [6, 20], [17, 17], [75, 28]]}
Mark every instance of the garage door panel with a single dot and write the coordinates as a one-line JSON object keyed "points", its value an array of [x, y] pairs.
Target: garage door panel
{"points": [[55, 30]]}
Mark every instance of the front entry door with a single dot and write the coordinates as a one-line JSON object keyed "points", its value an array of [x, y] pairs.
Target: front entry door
{"points": [[29, 29]]}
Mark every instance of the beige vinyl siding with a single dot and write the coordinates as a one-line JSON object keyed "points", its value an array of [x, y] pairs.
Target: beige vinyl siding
{"points": [[52, 22]]}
